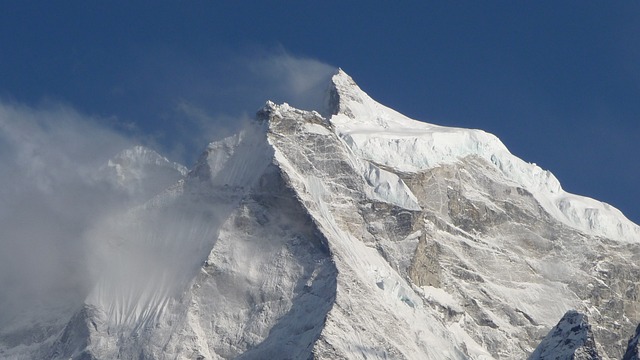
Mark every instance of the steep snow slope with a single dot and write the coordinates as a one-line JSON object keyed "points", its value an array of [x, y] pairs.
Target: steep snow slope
{"points": [[362, 234], [331, 185]]}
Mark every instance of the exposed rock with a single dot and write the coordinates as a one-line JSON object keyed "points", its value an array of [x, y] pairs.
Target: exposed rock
{"points": [[633, 348]]}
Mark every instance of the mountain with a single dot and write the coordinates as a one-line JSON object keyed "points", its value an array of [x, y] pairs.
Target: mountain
{"points": [[572, 338], [141, 172], [353, 232]]}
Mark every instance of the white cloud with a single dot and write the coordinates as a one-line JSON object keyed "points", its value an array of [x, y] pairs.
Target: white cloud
{"points": [[48, 197]]}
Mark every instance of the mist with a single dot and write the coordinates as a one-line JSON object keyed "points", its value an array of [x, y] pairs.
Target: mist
{"points": [[49, 196]]}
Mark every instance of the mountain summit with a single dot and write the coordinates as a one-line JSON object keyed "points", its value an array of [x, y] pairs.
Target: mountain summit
{"points": [[361, 234]]}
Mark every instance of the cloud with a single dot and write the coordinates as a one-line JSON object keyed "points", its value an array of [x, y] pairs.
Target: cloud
{"points": [[48, 198], [302, 82]]}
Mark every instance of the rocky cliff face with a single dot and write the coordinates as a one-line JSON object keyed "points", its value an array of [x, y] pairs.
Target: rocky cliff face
{"points": [[633, 348], [357, 234]]}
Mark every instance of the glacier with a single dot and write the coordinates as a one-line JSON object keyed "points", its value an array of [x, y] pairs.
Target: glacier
{"points": [[349, 232]]}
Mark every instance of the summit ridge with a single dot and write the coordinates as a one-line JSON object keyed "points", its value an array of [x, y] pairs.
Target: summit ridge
{"points": [[389, 138]]}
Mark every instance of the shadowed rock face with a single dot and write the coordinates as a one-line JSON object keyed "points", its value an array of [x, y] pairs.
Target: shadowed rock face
{"points": [[633, 349]]}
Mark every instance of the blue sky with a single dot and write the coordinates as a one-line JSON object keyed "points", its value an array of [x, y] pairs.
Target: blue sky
{"points": [[557, 82]]}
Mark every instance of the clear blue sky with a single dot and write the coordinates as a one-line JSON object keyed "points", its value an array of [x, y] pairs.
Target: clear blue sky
{"points": [[557, 81]]}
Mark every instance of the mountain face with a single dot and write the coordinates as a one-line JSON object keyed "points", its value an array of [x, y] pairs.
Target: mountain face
{"points": [[633, 349], [360, 234]]}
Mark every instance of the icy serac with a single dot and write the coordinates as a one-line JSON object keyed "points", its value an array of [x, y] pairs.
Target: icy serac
{"points": [[355, 234]]}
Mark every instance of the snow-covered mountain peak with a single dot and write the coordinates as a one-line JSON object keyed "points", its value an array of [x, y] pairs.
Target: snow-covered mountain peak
{"points": [[140, 155], [370, 128], [385, 137], [238, 159], [343, 90], [362, 234], [271, 108], [141, 172], [348, 104]]}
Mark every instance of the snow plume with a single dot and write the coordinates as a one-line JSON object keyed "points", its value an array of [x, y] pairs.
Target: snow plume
{"points": [[197, 100], [302, 82]]}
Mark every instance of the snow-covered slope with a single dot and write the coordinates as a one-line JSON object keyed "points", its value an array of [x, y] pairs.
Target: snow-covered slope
{"points": [[361, 234]]}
